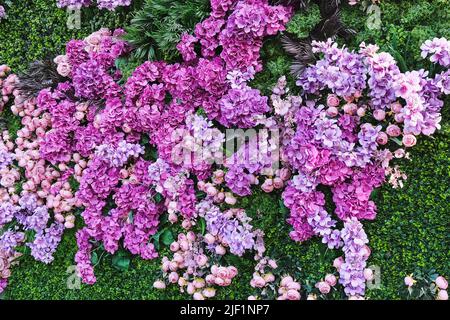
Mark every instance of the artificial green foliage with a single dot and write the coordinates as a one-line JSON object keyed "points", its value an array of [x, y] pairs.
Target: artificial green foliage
{"points": [[155, 30], [410, 233]]}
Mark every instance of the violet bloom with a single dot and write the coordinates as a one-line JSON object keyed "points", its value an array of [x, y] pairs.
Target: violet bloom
{"points": [[45, 243]]}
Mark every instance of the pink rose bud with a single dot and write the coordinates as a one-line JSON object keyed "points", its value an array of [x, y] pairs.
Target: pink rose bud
{"points": [[293, 295], [331, 279], [323, 287], [232, 271], [259, 282], [272, 263], [184, 245], [361, 112], [267, 186], [441, 282], [286, 280], [332, 112], [393, 130], [409, 140], [332, 100], [350, 108], [396, 107], [251, 298], [201, 260], [230, 200], [409, 281], [382, 138], [211, 191], [209, 238], [173, 218], [399, 153], [442, 295], [220, 250], [198, 296], [173, 277], [174, 246], [190, 288], [399, 118], [293, 285], [159, 285], [278, 183], [198, 283], [186, 224], [338, 262], [209, 292], [379, 114], [285, 174], [368, 274], [210, 279], [190, 236], [69, 224], [269, 277]]}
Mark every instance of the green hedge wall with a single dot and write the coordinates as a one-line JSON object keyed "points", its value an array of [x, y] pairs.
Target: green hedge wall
{"points": [[411, 229]]}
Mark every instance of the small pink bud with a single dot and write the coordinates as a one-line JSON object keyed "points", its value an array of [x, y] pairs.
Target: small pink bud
{"points": [[368, 274], [267, 186], [323, 287], [409, 281], [173, 277], [159, 285], [382, 138], [338, 262], [442, 295], [331, 279], [409, 140], [198, 296], [441, 282], [332, 100], [220, 250], [209, 292], [379, 114], [332, 112]]}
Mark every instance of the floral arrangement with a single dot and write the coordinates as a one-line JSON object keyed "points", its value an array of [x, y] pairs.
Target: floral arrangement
{"points": [[101, 4], [134, 158]]}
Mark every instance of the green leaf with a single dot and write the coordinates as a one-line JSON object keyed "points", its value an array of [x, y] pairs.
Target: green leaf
{"points": [[94, 258], [120, 262], [158, 198], [167, 237], [202, 224]]}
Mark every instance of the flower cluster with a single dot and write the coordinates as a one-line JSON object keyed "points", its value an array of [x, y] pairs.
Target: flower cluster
{"points": [[226, 229], [192, 270], [15, 220], [102, 4]]}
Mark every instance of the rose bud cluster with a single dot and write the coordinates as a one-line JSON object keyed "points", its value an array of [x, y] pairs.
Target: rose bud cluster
{"points": [[289, 289], [189, 268]]}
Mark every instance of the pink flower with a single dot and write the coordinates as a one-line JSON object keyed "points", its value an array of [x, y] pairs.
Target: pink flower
{"points": [[379, 114], [293, 295], [441, 282], [393, 130], [159, 285], [382, 138], [331, 279], [323, 287], [409, 281], [332, 100], [338, 262], [267, 186], [332, 112], [368, 274], [442, 295], [409, 140]]}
